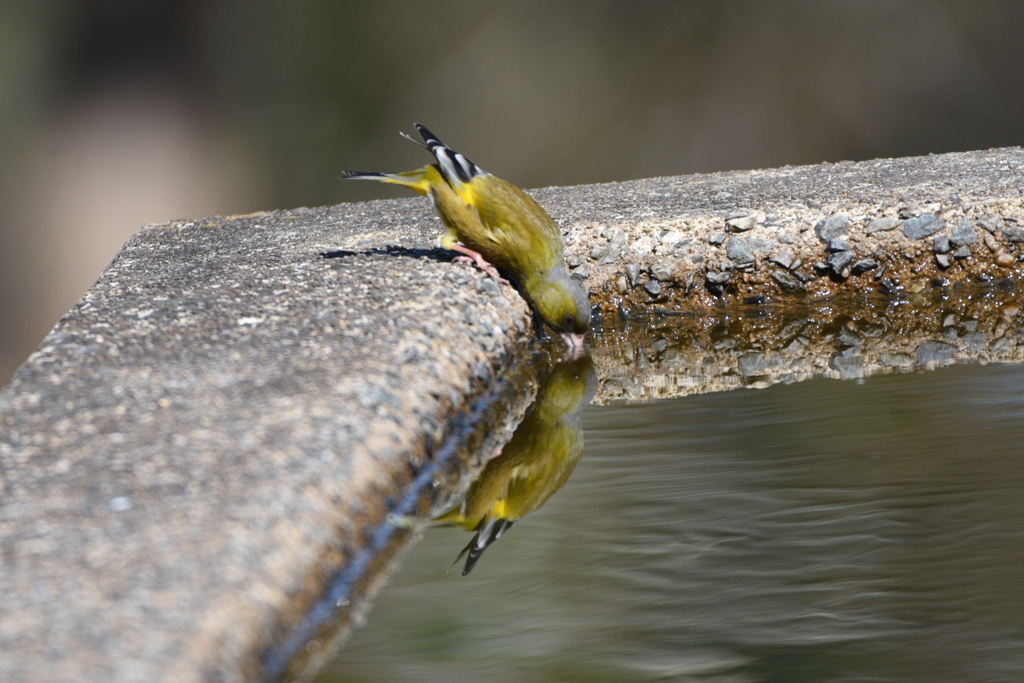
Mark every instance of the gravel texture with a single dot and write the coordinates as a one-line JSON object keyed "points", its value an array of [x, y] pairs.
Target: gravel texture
{"points": [[886, 210]]}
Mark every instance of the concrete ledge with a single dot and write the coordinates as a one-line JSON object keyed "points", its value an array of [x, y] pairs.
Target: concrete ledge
{"points": [[203, 442], [889, 225], [218, 431]]}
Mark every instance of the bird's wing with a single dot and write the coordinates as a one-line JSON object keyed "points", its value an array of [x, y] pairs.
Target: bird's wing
{"points": [[515, 222]]}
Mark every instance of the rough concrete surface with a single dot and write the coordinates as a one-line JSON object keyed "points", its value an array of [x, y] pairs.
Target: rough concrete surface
{"points": [[202, 444], [888, 225], [202, 441]]}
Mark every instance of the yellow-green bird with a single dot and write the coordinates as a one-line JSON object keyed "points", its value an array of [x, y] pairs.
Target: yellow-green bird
{"points": [[533, 465], [499, 224]]}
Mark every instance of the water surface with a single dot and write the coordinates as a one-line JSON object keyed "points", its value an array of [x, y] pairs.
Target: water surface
{"points": [[820, 531]]}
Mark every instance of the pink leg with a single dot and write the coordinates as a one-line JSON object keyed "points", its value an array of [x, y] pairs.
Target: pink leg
{"points": [[475, 257]]}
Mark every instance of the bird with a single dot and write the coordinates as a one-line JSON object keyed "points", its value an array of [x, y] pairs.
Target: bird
{"points": [[534, 464], [492, 222]]}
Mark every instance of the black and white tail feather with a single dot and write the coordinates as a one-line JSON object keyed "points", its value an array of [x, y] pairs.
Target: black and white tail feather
{"points": [[488, 534], [456, 168]]}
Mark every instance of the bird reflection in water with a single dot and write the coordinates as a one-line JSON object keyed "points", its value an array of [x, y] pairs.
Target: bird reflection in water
{"points": [[536, 461]]}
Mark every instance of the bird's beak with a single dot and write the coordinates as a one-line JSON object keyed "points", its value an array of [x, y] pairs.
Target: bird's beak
{"points": [[573, 341]]}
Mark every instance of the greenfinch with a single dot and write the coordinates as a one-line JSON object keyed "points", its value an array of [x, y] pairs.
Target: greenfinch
{"points": [[497, 223], [533, 465]]}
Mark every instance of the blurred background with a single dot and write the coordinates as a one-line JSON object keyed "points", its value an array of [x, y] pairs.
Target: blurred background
{"points": [[119, 113]]}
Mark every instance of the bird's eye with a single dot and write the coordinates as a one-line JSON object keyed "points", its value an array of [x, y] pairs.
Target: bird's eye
{"points": [[569, 322]]}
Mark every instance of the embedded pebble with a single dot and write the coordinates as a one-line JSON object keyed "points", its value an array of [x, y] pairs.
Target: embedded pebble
{"points": [[964, 234], [689, 282], [1014, 234], [652, 287], [863, 266], [788, 283], [663, 271], [848, 366], [975, 341], [934, 352], [915, 286], [991, 243], [581, 273], [884, 224], [784, 259], [719, 278], [599, 252], [848, 338], [962, 252], [741, 224], [990, 222], [787, 238], [718, 239], [833, 227], [838, 244], [1004, 259], [633, 273], [923, 226], [613, 253], [738, 250], [941, 244], [887, 286], [488, 287], [944, 260], [896, 359], [839, 260]]}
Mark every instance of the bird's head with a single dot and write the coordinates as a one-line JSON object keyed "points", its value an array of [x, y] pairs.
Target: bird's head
{"points": [[562, 304]]}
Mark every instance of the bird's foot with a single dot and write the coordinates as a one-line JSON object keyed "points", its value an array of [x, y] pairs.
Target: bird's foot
{"points": [[497, 453], [470, 256]]}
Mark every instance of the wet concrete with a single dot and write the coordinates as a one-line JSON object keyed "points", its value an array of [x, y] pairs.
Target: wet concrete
{"points": [[849, 338], [216, 432]]}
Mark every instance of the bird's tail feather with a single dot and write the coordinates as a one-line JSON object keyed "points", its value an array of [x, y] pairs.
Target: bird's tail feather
{"points": [[490, 532], [456, 168], [414, 180]]}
